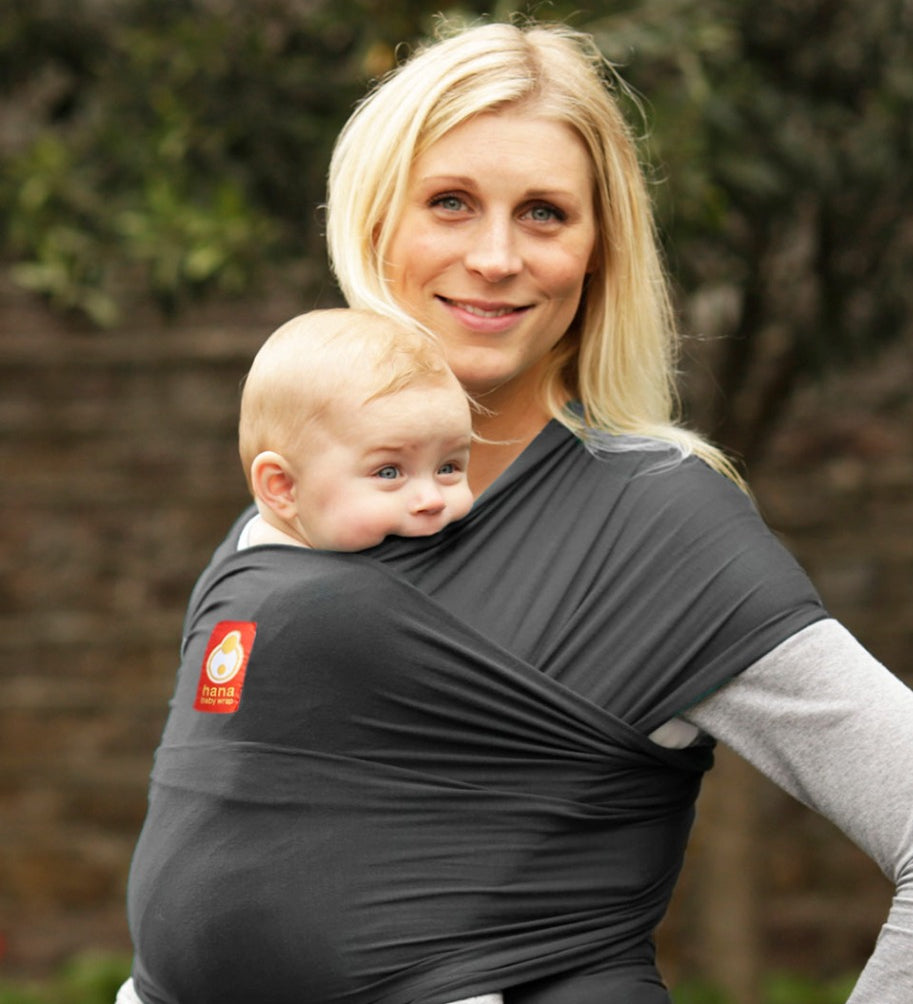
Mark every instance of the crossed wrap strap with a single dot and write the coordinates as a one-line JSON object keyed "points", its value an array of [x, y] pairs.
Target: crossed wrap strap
{"points": [[437, 780]]}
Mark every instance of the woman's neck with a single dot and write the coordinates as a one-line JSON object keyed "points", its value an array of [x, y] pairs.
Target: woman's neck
{"points": [[505, 430]]}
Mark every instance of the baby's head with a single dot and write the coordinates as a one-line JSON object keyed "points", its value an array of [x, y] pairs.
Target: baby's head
{"points": [[352, 428]]}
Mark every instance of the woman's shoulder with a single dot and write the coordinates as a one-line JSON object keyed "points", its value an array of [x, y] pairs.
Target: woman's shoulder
{"points": [[653, 470], [594, 486]]}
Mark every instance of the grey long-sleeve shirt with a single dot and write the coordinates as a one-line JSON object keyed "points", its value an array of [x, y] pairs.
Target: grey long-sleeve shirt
{"points": [[830, 725]]}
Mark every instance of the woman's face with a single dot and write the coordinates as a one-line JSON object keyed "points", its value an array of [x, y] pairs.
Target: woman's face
{"points": [[494, 245]]}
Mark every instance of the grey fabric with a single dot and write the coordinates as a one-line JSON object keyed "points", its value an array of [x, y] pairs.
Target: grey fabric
{"points": [[640, 583], [829, 724], [436, 779], [396, 810]]}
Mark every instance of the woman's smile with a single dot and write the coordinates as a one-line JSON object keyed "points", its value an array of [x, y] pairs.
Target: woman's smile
{"points": [[494, 245], [490, 316]]}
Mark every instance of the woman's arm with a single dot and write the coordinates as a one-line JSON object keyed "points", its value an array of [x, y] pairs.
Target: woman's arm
{"points": [[830, 725]]}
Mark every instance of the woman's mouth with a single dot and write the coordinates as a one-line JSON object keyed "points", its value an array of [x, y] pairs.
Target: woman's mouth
{"points": [[484, 311]]}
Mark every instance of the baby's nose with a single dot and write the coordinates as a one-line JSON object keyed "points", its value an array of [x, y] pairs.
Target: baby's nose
{"points": [[427, 500]]}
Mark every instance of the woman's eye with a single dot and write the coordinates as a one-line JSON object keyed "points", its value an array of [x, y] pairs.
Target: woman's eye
{"points": [[450, 203], [389, 472], [544, 214]]}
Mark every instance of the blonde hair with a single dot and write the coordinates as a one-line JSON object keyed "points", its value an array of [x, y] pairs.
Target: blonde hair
{"points": [[320, 359], [618, 359]]}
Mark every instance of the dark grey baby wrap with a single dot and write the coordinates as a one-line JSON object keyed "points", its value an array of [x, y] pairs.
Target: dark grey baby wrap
{"points": [[437, 782]]}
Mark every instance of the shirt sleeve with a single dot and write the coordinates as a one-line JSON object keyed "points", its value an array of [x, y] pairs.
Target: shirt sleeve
{"points": [[829, 724]]}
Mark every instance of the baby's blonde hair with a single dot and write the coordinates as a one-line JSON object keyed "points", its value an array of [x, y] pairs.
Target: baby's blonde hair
{"points": [[328, 358]]}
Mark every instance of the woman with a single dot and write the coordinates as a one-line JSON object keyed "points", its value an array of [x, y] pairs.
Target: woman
{"points": [[500, 769]]}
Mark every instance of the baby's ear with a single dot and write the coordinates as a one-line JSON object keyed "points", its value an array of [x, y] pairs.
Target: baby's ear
{"points": [[273, 483]]}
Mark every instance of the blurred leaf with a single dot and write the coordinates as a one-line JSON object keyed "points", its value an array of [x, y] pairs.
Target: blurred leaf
{"points": [[699, 992], [89, 978], [789, 988], [186, 143]]}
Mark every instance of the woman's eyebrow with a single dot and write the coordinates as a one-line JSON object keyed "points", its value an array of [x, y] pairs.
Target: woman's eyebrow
{"points": [[455, 180], [556, 191]]}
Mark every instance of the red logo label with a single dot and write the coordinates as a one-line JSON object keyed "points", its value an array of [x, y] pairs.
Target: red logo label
{"points": [[224, 666]]}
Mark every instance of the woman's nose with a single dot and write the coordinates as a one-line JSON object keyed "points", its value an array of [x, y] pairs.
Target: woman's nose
{"points": [[492, 251]]}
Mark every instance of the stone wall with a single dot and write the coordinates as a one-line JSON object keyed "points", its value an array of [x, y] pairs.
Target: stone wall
{"points": [[119, 474], [837, 486]]}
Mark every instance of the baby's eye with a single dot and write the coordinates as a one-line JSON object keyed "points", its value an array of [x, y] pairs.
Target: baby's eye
{"points": [[389, 472], [453, 470]]}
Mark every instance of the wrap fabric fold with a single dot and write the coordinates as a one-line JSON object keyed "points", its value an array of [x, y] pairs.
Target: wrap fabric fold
{"points": [[437, 782]]}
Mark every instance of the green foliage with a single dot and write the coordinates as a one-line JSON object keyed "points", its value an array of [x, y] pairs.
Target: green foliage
{"points": [[179, 148], [784, 163], [787, 988], [92, 978], [135, 181], [699, 992], [778, 988], [778, 133]]}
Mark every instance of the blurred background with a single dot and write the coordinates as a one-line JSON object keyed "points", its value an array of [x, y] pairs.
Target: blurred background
{"points": [[162, 167]]}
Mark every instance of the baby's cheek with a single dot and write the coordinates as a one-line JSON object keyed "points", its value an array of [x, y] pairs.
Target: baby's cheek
{"points": [[463, 502]]}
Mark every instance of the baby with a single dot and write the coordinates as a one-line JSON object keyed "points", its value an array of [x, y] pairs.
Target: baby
{"points": [[352, 428]]}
